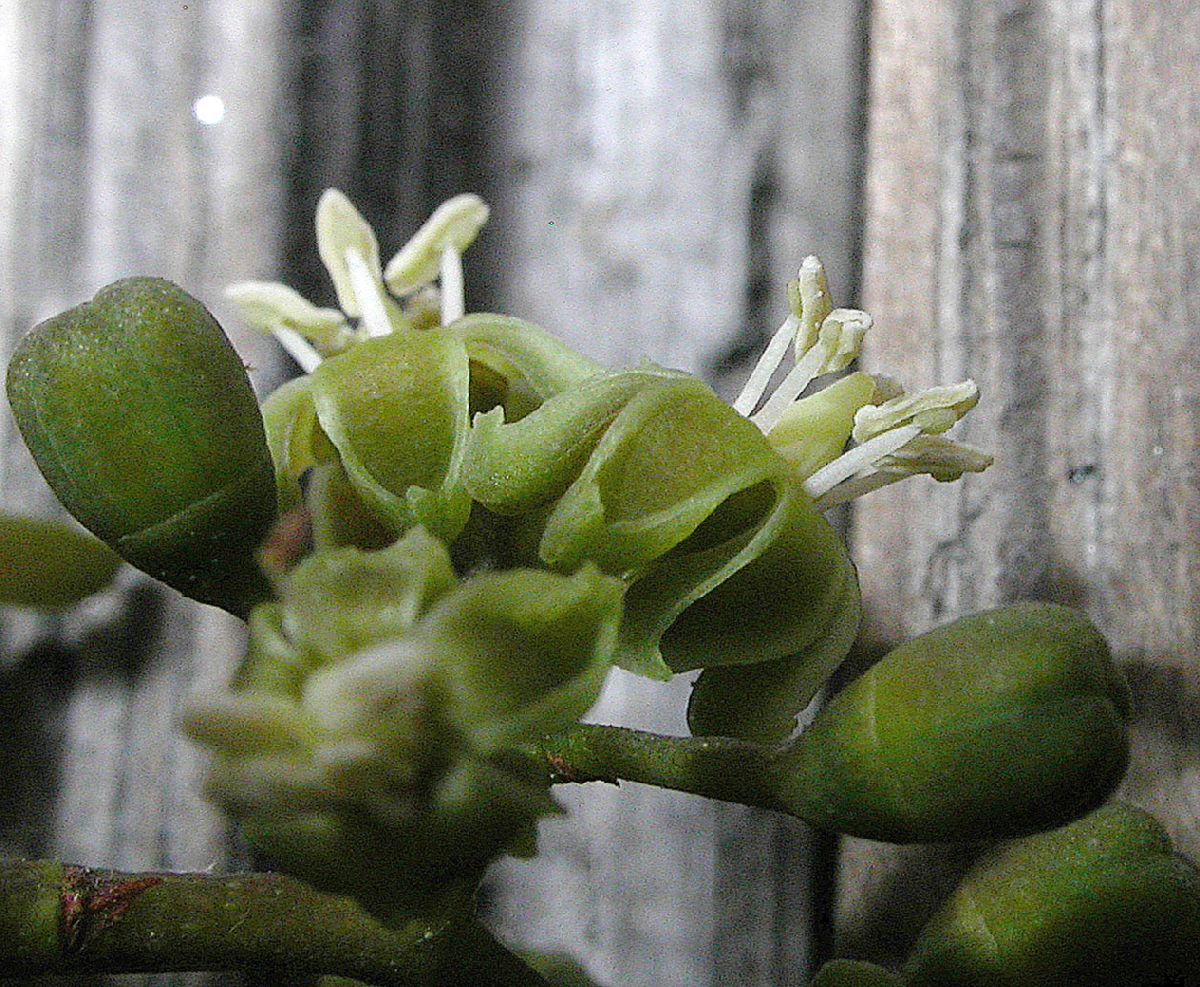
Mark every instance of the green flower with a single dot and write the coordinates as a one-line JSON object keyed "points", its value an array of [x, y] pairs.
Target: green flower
{"points": [[516, 451], [371, 743]]}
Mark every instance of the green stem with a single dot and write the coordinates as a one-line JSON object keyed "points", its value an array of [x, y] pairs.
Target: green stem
{"points": [[715, 767], [56, 918]]}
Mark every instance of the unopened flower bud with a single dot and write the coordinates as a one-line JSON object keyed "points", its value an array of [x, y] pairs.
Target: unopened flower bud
{"points": [[1002, 723], [141, 417]]}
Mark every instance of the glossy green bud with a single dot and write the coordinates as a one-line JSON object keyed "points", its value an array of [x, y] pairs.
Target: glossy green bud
{"points": [[48, 565], [854, 973], [141, 417], [1103, 902], [999, 724]]}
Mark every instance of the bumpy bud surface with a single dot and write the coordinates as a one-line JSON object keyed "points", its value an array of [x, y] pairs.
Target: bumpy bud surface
{"points": [[1002, 723], [1102, 902], [141, 417], [372, 744]]}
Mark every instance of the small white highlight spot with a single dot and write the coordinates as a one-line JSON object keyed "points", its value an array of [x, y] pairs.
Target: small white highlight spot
{"points": [[209, 110]]}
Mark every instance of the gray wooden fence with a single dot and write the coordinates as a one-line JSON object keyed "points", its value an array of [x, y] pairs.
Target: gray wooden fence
{"points": [[657, 170]]}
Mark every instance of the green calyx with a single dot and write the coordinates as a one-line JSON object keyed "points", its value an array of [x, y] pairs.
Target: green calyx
{"points": [[140, 415], [854, 973], [1003, 723], [1103, 902]]}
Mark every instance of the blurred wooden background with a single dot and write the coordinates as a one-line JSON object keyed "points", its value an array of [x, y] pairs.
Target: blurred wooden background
{"points": [[1009, 187]]}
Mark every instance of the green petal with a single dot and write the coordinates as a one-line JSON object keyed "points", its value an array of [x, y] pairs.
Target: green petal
{"points": [[1003, 723], [814, 431], [48, 565], [1102, 902], [766, 591], [670, 458], [531, 364], [140, 415], [296, 444], [515, 467], [524, 651], [761, 702], [343, 600], [395, 408]]}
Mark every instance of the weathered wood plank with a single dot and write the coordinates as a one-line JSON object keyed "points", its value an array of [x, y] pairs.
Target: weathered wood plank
{"points": [[1031, 222], [667, 167], [109, 173]]}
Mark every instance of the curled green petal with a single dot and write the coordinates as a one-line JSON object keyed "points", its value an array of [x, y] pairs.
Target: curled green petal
{"points": [[761, 702], [516, 467], [453, 225], [50, 566], [759, 580], [631, 503], [522, 364], [395, 408], [525, 651], [141, 417], [1103, 902], [296, 445], [1003, 723]]}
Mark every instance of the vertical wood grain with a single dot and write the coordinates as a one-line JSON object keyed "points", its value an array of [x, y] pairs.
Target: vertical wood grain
{"points": [[1031, 222], [107, 174]]}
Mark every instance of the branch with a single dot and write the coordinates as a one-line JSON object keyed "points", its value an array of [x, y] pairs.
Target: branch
{"points": [[715, 767], [57, 918]]}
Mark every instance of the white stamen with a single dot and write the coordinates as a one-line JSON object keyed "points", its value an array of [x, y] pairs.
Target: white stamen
{"points": [[366, 293], [792, 386], [857, 486], [298, 348], [454, 303], [859, 458], [768, 363]]}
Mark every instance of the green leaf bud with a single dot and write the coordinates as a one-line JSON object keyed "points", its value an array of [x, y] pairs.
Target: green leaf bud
{"points": [[48, 565], [854, 973], [141, 417], [999, 724], [1102, 902]]}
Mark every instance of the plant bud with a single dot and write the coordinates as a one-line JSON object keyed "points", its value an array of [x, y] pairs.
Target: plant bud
{"points": [[47, 565], [141, 417], [1000, 724], [1102, 902], [373, 746]]}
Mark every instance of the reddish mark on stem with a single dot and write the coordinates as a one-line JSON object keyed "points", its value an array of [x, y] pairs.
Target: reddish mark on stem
{"points": [[92, 901]]}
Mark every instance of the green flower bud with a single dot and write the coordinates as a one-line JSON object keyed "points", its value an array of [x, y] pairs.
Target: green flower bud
{"points": [[374, 744], [141, 417], [1101, 902], [47, 565], [1003, 723], [854, 973]]}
